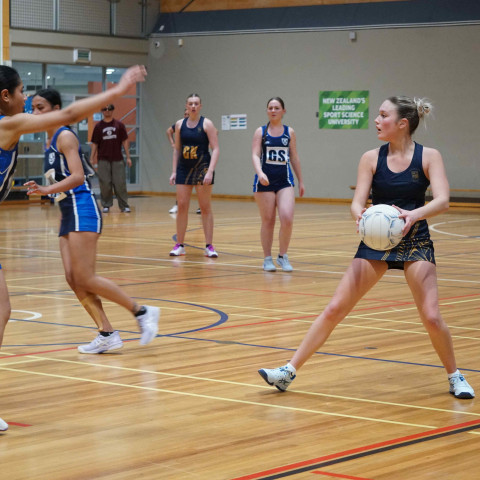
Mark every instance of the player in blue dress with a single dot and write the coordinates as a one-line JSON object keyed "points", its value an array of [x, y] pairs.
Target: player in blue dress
{"points": [[194, 166], [398, 174], [80, 228], [274, 150], [14, 123]]}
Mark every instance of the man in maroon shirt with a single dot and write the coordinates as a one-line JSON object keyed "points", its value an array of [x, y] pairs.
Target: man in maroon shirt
{"points": [[109, 135]]}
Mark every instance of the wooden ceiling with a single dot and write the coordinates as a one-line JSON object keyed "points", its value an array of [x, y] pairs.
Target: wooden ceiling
{"points": [[171, 6]]}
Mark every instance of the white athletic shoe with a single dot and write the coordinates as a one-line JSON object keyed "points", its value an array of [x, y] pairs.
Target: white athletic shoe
{"points": [[174, 209], [126, 210], [102, 344], [460, 388], [280, 377], [177, 250], [268, 265], [106, 209], [148, 323], [284, 263], [210, 252], [3, 425]]}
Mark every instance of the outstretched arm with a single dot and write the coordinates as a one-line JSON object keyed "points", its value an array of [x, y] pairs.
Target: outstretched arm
{"points": [[15, 126]]}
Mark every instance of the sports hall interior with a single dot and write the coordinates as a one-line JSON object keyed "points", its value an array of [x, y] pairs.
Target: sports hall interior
{"points": [[373, 403]]}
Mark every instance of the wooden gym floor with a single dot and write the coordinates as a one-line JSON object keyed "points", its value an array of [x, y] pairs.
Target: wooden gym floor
{"points": [[373, 404]]}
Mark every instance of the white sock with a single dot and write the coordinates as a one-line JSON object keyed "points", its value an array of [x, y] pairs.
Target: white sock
{"points": [[291, 368], [450, 375]]}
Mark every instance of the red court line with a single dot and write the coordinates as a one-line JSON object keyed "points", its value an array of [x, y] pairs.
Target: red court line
{"points": [[353, 451], [338, 475], [18, 424], [6, 357]]}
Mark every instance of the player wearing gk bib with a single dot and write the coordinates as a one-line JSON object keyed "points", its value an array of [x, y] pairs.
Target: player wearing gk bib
{"points": [[398, 174], [274, 150], [193, 165]]}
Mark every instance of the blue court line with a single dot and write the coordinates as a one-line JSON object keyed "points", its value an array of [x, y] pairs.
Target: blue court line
{"points": [[223, 318], [341, 355]]}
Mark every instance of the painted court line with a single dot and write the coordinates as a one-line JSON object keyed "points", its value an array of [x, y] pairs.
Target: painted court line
{"points": [[228, 382], [211, 397], [347, 455]]}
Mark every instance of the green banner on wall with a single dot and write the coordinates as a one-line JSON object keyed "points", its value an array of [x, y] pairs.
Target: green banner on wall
{"points": [[343, 109]]}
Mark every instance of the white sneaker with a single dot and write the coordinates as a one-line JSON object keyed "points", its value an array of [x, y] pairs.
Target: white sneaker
{"points": [[280, 377], [106, 209], [460, 388], [102, 344], [174, 209], [148, 323], [210, 252], [126, 210], [284, 263], [177, 250], [268, 265], [3, 425]]}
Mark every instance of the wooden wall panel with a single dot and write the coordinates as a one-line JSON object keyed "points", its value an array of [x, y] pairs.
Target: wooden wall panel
{"points": [[171, 6]]}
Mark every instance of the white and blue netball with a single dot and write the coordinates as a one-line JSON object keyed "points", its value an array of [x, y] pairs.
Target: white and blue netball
{"points": [[380, 228]]}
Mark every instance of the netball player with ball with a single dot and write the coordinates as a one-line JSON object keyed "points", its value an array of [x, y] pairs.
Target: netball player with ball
{"points": [[398, 173]]}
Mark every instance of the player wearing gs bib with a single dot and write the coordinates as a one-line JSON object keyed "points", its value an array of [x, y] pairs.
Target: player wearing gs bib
{"points": [[193, 165], [275, 162], [405, 189], [274, 150], [80, 212], [398, 174]]}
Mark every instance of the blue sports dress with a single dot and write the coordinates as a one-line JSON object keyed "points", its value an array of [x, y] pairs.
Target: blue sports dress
{"points": [[8, 163], [405, 190], [80, 212], [275, 161]]}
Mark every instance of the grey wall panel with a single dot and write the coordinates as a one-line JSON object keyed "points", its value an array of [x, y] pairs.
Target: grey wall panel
{"points": [[88, 16], [238, 73], [37, 14]]}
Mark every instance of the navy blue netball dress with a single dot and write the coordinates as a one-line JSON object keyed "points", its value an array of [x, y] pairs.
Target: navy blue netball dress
{"points": [[275, 161], [80, 212], [194, 158], [405, 190]]}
